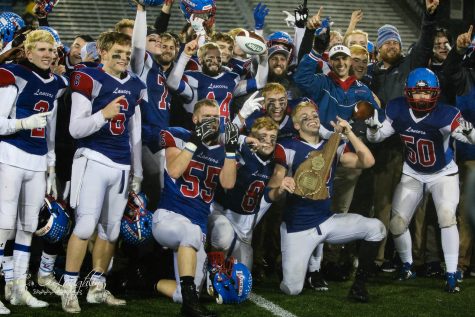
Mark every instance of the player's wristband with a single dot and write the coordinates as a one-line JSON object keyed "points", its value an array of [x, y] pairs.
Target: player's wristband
{"points": [[190, 147], [231, 155]]}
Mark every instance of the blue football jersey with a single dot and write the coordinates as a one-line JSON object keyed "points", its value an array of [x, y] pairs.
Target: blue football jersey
{"points": [[112, 140], [286, 127], [241, 67], [155, 111], [426, 140], [303, 213], [191, 194], [253, 175], [35, 94]]}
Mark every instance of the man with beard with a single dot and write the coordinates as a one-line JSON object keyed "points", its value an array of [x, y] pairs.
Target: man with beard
{"points": [[279, 58], [195, 163], [389, 76], [152, 56], [213, 82]]}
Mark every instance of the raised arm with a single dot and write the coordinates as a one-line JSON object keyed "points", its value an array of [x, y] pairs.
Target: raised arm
{"points": [[139, 41]]}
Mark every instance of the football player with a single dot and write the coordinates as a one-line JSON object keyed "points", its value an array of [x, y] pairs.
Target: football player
{"points": [[195, 163], [237, 212], [105, 120], [306, 222], [27, 127], [425, 127], [213, 82]]}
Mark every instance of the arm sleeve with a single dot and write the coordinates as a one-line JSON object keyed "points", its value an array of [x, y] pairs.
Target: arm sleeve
{"points": [[175, 81], [51, 135], [422, 51], [262, 71], [306, 44], [139, 41], [83, 123], [161, 22], [135, 128], [381, 134], [8, 96]]}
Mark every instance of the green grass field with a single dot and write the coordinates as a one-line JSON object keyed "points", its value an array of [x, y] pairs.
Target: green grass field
{"points": [[419, 297]]}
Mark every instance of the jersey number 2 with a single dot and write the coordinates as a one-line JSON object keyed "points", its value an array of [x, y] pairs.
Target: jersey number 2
{"points": [[40, 106]]}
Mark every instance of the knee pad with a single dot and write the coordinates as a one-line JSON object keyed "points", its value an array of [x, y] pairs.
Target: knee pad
{"points": [[289, 290], [222, 235], [446, 217], [85, 225], [191, 237], [398, 225], [109, 232]]}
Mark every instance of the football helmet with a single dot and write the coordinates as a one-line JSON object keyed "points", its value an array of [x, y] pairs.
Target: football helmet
{"points": [[231, 280], [422, 81], [136, 223], [54, 33], [44, 7], [152, 3], [9, 23], [205, 9], [283, 39], [53, 222]]}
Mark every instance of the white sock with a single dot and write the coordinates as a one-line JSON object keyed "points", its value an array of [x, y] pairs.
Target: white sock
{"points": [[7, 268], [47, 264], [98, 277], [21, 260], [70, 277], [450, 246], [403, 244]]}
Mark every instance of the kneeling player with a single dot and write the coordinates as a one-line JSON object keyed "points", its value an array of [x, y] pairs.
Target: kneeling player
{"points": [[308, 219], [194, 164], [425, 126], [237, 212]]}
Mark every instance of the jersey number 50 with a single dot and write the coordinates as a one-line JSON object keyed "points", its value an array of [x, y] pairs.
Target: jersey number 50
{"points": [[421, 151], [192, 187]]}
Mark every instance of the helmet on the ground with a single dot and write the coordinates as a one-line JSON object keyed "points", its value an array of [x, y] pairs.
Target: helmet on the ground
{"points": [[53, 222], [422, 89], [231, 280], [136, 223]]}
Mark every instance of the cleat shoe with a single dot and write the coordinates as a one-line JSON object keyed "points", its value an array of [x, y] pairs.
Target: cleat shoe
{"points": [[69, 299], [459, 275], [98, 294], [433, 269], [8, 290], [50, 283], [21, 296], [388, 267], [3, 309], [315, 281], [191, 305], [451, 285], [406, 272]]}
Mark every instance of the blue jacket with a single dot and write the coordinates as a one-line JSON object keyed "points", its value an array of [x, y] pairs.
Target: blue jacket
{"points": [[333, 96], [466, 104]]}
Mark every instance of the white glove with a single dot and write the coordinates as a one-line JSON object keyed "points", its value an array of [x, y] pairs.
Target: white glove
{"points": [[373, 122], [252, 104], [290, 19], [32, 122], [136, 184], [197, 25], [466, 127], [51, 188]]}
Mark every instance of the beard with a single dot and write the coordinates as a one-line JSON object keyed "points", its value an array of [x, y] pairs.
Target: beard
{"points": [[390, 58], [210, 72]]}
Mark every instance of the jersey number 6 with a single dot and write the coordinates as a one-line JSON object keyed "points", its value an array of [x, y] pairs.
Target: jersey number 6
{"points": [[117, 124]]}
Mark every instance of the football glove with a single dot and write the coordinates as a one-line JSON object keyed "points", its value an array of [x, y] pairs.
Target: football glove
{"points": [[231, 136], [252, 104], [301, 15], [35, 121], [260, 13], [51, 188], [373, 122]]}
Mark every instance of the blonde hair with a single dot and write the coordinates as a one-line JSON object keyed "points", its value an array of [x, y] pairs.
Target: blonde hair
{"points": [[124, 23], [204, 103], [358, 50], [38, 36], [223, 37], [264, 123], [107, 39], [205, 48], [235, 32], [354, 32], [273, 88], [300, 106]]}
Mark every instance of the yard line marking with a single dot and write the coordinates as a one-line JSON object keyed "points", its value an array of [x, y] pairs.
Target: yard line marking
{"points": [[270, 306]]}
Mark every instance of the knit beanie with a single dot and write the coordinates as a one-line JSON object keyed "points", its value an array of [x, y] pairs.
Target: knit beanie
{"points": [[388, 33]]}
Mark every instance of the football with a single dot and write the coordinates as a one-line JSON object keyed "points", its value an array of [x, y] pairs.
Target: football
{"points": [[363, 110], [251, 43]]}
